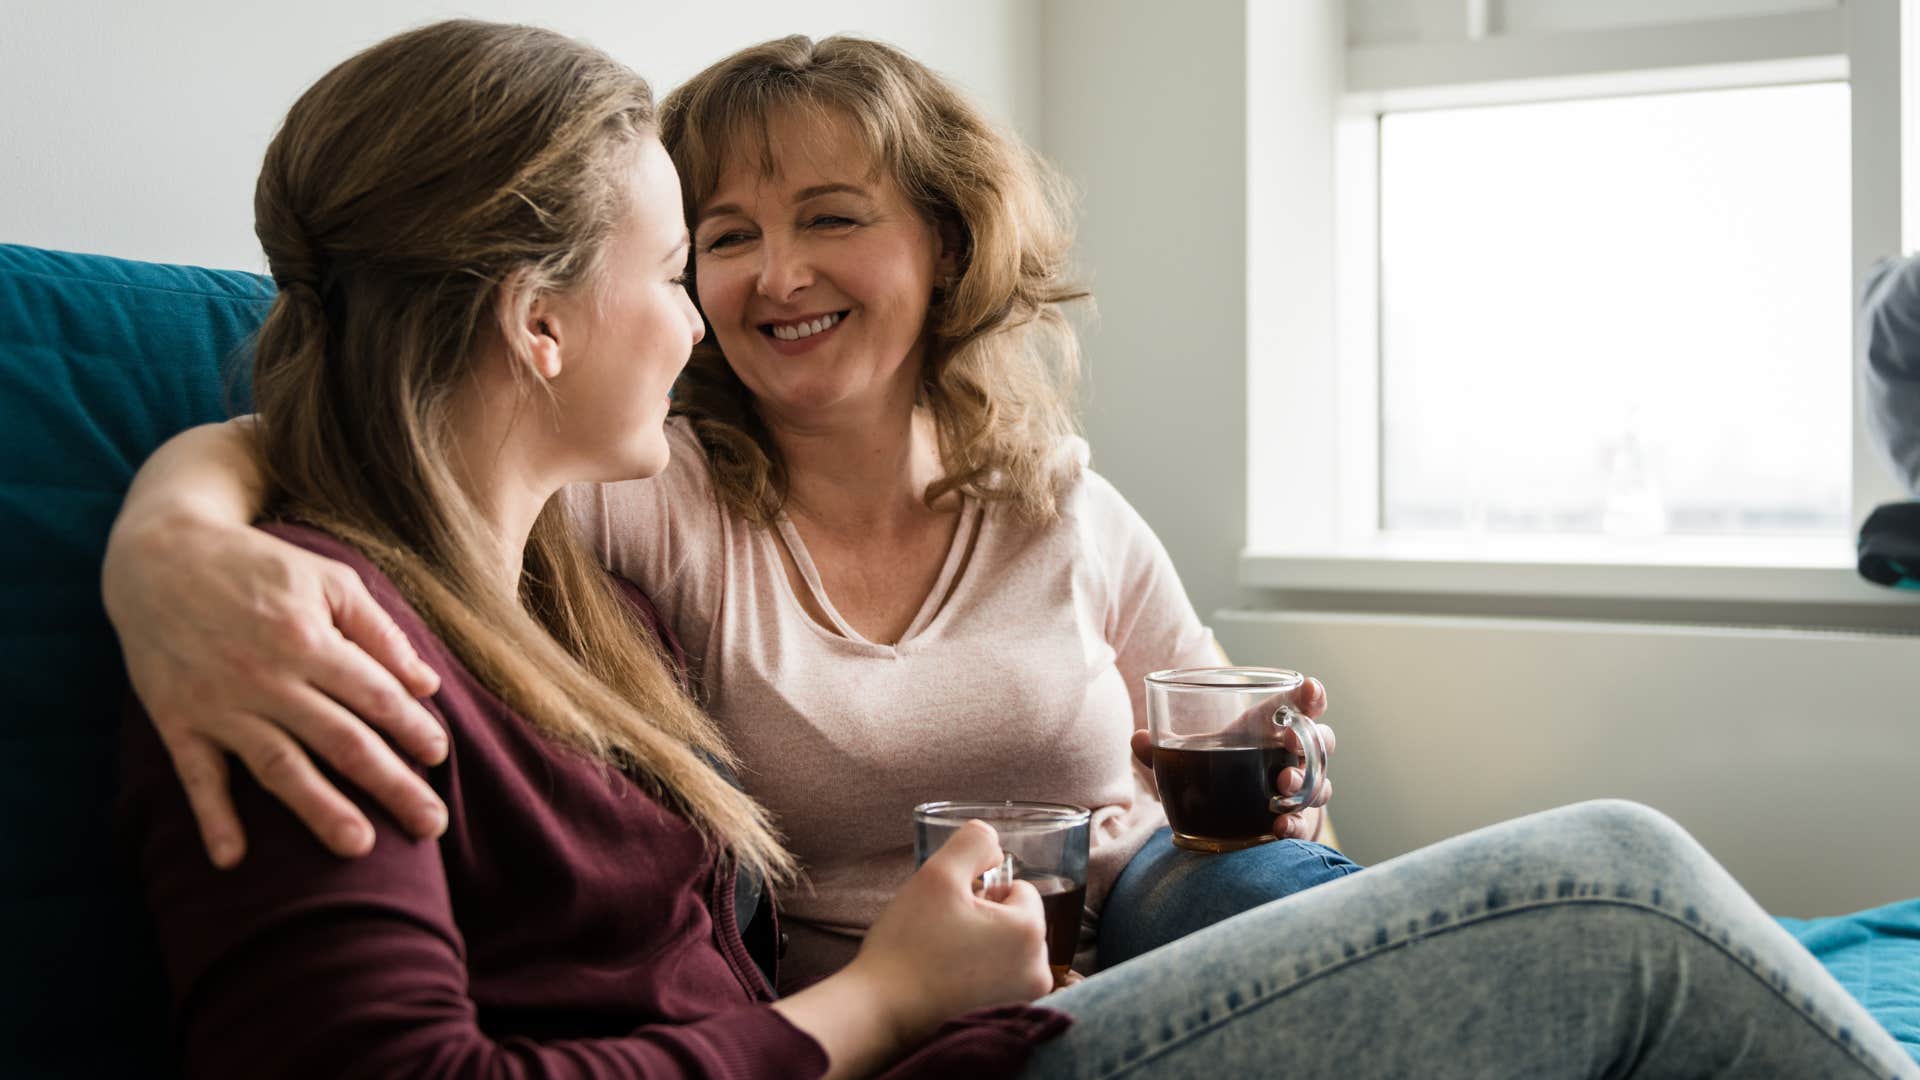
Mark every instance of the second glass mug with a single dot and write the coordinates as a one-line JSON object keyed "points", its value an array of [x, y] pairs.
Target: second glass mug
{"points": [[1044, 844], [1219, 745]]}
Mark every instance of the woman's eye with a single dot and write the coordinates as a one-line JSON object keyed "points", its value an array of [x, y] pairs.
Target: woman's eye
{"points": [[683, 279], [830, 221], [726, 240]]}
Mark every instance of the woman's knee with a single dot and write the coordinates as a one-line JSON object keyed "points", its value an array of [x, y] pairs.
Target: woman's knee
{"points": [[1633, 830]]}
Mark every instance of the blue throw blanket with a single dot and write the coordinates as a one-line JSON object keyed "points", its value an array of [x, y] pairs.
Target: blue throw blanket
{"points": [[1876, 955]]}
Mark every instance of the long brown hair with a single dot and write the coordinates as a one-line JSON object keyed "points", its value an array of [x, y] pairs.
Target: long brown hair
{"points": [[418, 195], [1002, 359]]}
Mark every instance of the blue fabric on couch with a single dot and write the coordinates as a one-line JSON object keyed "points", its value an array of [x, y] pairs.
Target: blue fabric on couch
{"points": [[1876, 955], [101, 360]]}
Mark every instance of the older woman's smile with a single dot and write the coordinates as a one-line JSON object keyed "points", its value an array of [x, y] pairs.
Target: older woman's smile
{"points": [[791, 337]]}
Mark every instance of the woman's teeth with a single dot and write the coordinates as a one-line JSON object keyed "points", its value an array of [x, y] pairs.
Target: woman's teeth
{"points": [[806, 329]]}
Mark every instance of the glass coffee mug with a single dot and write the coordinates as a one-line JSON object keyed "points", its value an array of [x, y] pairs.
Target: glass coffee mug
{"points": [[1219, 744], [1043, 844]]}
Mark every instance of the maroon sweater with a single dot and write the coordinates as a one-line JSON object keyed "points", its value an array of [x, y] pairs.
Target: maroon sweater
{"points": [[567, 924]]}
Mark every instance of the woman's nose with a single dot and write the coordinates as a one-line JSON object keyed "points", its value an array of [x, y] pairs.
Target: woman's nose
{"points": [[784, 271]]}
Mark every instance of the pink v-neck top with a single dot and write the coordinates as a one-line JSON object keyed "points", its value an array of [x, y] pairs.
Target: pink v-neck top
{"points": [[1020, 677]]}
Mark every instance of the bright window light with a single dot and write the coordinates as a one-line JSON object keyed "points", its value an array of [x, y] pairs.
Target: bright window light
{"points": [[1624, 316]]}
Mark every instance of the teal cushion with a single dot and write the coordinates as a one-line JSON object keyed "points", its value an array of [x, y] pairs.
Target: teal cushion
{"points": [[100, 361], [1876, 955]]}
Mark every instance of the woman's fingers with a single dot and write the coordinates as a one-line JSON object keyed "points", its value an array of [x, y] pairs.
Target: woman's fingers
{"points": [[1290, 740], [363, 757], [344, 672], [1310, 697], [369, 666], [1290, 779], [282, 767], [1142, 746], [972, 850], [1024, 899], [1299, 825], [365, 623], [203, 770]]}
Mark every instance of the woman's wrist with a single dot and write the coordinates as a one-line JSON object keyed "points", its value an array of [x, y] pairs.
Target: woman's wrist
{"points": [[860, 1018], [140, 537]]}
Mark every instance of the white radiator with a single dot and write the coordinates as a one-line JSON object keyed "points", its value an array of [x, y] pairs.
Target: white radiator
{"points": [[1794, 756]]}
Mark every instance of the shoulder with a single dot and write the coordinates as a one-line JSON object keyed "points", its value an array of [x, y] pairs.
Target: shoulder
{"points": [[325, 544], [1091, 518], [687, 463], [679, 487], [655, 625], [426, 642], [1087, 498]]}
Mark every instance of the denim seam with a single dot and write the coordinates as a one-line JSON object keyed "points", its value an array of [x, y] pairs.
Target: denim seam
{"points": [[1260, 998]]}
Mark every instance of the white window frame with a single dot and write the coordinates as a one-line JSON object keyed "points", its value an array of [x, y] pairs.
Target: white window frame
{"points": [[1313, 493]]}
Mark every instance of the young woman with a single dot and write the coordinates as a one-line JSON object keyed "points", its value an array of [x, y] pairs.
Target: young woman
{"points": [[479, 251], [898, 579]]}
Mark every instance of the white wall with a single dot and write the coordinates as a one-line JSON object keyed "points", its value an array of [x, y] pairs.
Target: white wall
{"points": [[1144, 107], [136, 128], [1788, 754]]}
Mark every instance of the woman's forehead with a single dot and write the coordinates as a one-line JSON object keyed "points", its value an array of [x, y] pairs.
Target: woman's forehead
{"points": [[795, 148]]}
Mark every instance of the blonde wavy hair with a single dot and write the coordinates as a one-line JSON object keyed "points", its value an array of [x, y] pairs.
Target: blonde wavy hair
{"points": [[416, 198], [1002, 361]]}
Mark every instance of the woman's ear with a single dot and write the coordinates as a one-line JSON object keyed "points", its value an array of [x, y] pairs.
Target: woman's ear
{"points": [[952, 241], [542, 329], [530, 324]]}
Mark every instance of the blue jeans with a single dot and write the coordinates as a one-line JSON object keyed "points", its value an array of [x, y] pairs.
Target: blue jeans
{"points": [[1594, 940], [1166, 893]]}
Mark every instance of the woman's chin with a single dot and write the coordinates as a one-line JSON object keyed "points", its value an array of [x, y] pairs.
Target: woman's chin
{"points": [[635, 463], [817, 400]]}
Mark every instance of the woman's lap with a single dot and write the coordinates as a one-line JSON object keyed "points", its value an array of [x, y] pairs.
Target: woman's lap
{"points": [[1592, 940], [1166, 893]]}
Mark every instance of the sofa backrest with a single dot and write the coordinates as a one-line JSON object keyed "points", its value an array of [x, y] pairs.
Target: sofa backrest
{"points": [[101, 360]]}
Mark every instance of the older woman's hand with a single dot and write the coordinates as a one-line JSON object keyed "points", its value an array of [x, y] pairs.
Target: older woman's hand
{"points": [[238, 642], [1310, 698]]}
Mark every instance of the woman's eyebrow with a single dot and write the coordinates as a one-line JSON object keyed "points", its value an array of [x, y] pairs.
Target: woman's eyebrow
{"points": [[805, 193], [680, 249], [818, 190]]}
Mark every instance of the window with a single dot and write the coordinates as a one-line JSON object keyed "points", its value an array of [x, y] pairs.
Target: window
{"points": [[1569, 311], [1625, 316]]}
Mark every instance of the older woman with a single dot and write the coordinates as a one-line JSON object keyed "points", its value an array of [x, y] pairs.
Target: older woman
{"points": [[897, 576]]}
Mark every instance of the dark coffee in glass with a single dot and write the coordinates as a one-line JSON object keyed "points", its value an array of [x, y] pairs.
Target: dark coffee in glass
{"points": [[1045, 844], [1221, 737], [1218, 795]]}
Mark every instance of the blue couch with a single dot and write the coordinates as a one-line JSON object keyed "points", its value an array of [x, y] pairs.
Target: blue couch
{"points": [[101, 360]]}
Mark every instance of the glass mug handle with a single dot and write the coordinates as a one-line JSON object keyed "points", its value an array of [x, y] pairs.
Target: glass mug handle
{"points": [[995, 880], [1313, 759]]}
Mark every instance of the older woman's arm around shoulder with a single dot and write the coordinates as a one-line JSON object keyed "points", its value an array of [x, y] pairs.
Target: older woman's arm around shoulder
{"points": [[237, 641]]}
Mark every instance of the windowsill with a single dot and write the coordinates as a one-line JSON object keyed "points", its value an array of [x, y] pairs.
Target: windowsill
{"points": [[1771, 571]]}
